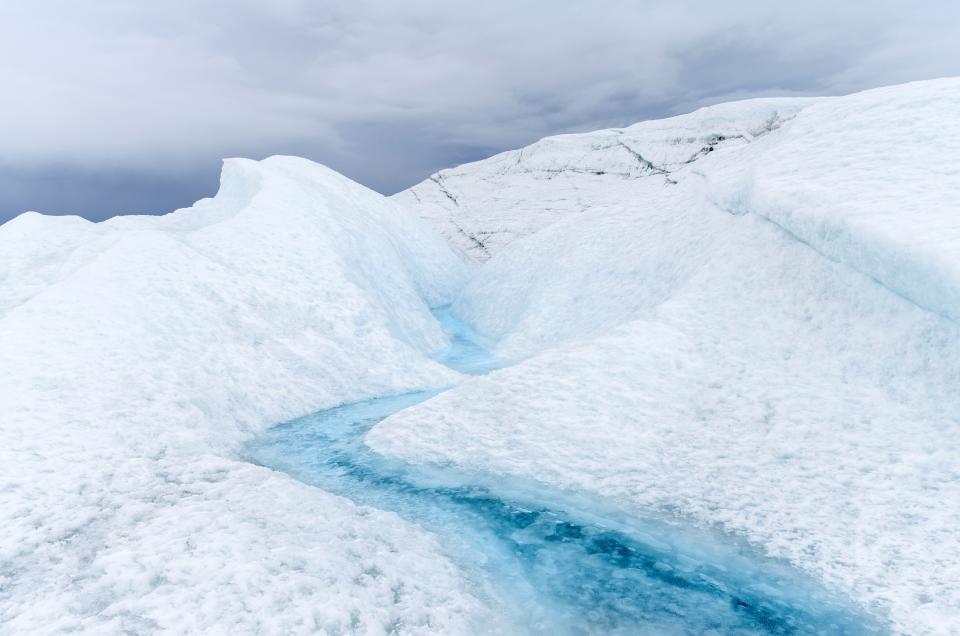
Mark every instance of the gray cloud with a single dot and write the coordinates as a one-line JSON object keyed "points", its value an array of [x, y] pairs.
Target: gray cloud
{"points": [[128, 106]]}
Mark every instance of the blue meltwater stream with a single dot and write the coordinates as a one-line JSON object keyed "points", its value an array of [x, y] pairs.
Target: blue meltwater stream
{"points": [[550, 563]]}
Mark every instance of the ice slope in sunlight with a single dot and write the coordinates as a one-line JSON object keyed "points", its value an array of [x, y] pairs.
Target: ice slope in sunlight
{"points": [[760, 340], [137, 354]]}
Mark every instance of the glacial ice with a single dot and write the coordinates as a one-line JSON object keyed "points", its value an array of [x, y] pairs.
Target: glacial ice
{"points": [[135, 357], [791, 382], [482, 207], [550, 567], [738, 323]]}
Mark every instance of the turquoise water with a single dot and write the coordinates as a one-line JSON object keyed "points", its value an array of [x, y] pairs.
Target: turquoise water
{"points": [[552, 564]]}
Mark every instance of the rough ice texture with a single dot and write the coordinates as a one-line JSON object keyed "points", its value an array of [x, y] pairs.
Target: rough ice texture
{"points": [[761, 339], [482, 207], [136, 355], [872, 180]]}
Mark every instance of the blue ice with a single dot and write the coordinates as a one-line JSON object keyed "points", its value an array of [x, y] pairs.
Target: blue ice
{"points": [[556, 566]]}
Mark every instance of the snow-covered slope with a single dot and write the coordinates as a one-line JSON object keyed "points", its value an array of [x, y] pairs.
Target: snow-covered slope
{"points": [[482, 207], [745, 319], [762, 339], [872, 181], [136, 355]]}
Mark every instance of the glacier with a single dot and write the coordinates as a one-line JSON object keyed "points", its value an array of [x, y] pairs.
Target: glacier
{"points": [[758, 337], [732, 332], [135, 357], [553, 564]]}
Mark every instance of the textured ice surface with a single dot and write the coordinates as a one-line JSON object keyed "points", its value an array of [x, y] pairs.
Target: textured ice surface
{"points": [[482, 207], [137, 354], [790, 382], [741, 319], [550, 568], [467, 352], [872, 181]]}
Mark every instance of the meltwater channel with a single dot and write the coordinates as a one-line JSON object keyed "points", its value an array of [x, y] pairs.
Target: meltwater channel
{"points": [[555, 564]]}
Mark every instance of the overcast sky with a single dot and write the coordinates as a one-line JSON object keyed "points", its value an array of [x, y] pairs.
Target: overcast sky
{"points": [[112, 106]]}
